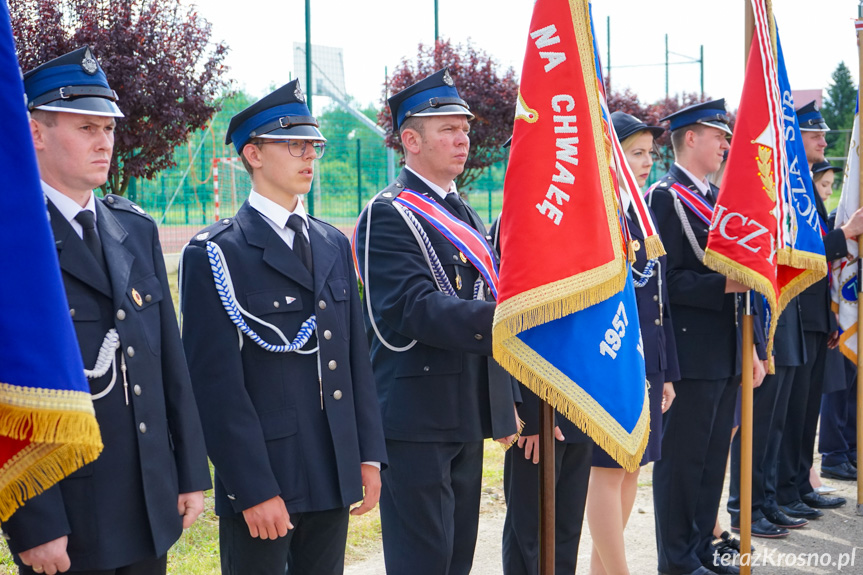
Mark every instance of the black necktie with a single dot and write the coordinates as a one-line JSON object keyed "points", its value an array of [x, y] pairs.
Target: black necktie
{"points": [[301, 245], [455, 202], [87, 219]]}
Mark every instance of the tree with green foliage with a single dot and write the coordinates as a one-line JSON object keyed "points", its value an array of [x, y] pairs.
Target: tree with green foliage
{"points": [[838, 110]]}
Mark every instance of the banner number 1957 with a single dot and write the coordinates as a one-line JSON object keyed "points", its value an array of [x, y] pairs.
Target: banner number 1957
{"points": [[613, 335]]}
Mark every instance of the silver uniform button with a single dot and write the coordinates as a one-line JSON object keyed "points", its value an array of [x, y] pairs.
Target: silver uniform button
{"points": [[275, 304], [332, 365], [478, 337], [142, 427], [656, 321], [328, 334], [130, 351], [148, 298], [72, 312], [322, 304], [425, 368], [656, 298], [137, 389], [337, 394], [121, 314]]}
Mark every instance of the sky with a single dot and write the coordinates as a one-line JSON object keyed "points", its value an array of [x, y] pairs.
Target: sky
{"points": [[376, 35]]}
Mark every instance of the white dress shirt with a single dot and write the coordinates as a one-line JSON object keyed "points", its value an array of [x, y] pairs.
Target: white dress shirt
{"points": [[70, 208], [434, 187], [702, 185], [277, 216]]}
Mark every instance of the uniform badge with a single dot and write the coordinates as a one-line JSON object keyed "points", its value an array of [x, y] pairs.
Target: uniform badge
{"points": [[636, 245], [89, 63], [298, 93], [447, 79], [138, 209], [202, 236], [289, 300], [458, 283], [137, 298], [462, 257], [387, 195]]}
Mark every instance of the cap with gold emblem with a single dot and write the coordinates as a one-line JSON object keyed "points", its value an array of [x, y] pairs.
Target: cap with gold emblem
{"points": [[435, 95], [72, 83]]}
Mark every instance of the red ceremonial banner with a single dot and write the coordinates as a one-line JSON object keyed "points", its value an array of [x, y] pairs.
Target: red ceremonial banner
{"points": [[579, 233]]}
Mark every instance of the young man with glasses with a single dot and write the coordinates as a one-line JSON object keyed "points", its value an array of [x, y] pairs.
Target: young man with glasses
{"points": [[274, 335]]}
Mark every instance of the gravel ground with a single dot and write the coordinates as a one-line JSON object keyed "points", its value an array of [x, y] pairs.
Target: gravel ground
{"points": [[815, 549]]}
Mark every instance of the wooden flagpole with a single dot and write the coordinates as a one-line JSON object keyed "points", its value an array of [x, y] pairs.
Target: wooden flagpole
{"points": [[745, 430], [859, 290], [546, 488]]}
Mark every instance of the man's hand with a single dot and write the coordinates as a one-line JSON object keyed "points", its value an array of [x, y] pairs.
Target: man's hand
{"points": [[833, 340], [668, 395], [510, 438], [854, 226], [268, 520], [190, 506], [48, 558], [530, 444], [759, 370], [371, 487], [732, 286]]}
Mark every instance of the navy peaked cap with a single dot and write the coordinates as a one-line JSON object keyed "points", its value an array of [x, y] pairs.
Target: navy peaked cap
{"points": [[712, 113], [626, 125], [810, 118], [281, 115], [74, 83], [435, 95]]}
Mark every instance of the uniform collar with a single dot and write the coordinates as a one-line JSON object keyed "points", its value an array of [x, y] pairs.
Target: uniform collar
{"points": [[702, 185], [442, 193], [274, 212], [68, 207]]}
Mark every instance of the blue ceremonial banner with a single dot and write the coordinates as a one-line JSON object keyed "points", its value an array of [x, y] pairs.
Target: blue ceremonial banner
{"points": [[566, 324], [804, 246], [48, 427]]}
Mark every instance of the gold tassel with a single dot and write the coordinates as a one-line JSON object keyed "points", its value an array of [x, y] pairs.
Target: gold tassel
{"points": [[653, 247]]}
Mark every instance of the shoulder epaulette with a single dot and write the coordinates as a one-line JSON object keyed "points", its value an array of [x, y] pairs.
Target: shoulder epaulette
{"points": [[211, 231], [116, 202], [391, 192]]}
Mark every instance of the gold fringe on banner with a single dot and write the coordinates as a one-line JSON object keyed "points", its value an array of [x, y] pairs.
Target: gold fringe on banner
{"points": [[576, 404], [63, 436], [739, 273]]}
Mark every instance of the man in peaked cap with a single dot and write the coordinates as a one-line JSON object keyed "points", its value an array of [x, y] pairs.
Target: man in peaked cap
{"points": [[121, 513], [289, 410], [687, 481], [793, 490], [429, 325]]}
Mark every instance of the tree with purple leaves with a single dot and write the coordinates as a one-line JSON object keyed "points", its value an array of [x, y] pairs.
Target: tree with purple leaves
{"points": [[157, 55]]}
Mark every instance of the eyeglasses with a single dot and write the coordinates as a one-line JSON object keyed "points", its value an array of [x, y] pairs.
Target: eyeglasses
{"points": [[297, 148]]}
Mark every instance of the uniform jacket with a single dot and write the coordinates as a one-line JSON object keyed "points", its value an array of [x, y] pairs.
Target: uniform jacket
{"points": [[815, 301], [446, 387], [122, 508], [657, 332], [266, 432], [705, 317]]}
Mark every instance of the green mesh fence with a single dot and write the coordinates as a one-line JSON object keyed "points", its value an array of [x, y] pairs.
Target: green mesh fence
{"points": [[210, 183]]}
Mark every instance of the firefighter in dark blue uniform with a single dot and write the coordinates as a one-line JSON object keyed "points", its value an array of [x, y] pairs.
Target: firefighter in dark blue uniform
{"points": [[121, 513], [687, 481], [283, 379], [793, 490], [440, 391]]}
